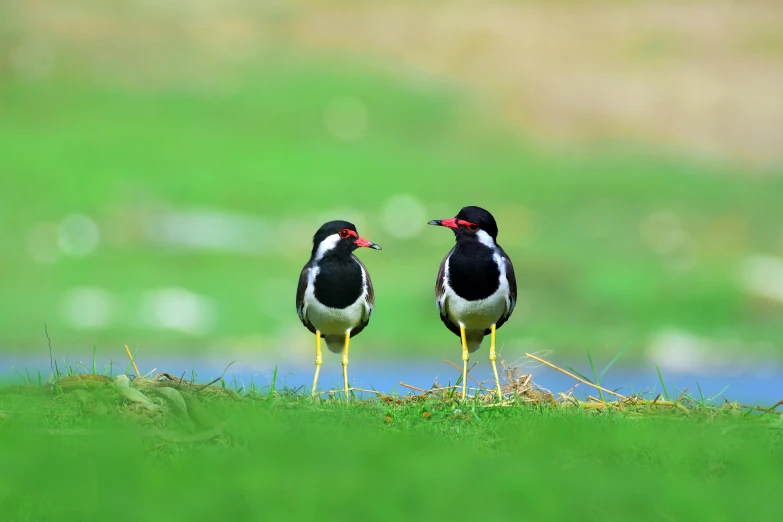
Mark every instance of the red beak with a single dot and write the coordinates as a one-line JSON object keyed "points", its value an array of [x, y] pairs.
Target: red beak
{"points": [[367, 244], [451, 223]]}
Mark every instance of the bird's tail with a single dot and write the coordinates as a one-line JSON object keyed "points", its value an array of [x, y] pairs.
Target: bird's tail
{"points": [[335, 343], [474, 338]]}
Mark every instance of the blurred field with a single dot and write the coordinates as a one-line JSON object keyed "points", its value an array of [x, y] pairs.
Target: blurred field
{"points": [[164, 167]]}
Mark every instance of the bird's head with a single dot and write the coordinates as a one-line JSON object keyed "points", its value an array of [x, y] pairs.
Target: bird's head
{"points": [[471, 222], [338, 236]]}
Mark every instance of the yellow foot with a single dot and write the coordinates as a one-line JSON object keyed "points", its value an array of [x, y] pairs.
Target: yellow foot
{"points": [[318, 361], [465, 357], [492, 358], [345, 364]]}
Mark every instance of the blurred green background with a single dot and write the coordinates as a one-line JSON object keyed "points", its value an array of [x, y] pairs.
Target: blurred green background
{"points": [[163, 166]]}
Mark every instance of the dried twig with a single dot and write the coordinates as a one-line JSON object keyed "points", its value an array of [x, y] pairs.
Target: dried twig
{"points": [[773, 408], [755, 408], [414, 387], [380, 395], [440, 389], [127, 350], [683, 393], [657, 402], [575, 377], [166, 375], [213, 381], [469, 376], [498, 405]]}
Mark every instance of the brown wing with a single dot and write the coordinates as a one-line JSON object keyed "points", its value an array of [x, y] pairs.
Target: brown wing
{"points": [[369, 299], [440, 294], [512, 289], [300, 293], [440, 287]]}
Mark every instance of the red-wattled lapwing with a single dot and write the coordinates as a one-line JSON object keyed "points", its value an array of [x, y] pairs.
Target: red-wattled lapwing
{"points": [[335, 298], [476, 288]]}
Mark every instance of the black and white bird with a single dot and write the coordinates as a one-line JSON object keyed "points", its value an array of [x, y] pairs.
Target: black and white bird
{"points": [[476, 290], [335, 298]]}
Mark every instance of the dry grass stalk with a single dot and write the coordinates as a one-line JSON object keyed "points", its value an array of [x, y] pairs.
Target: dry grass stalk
{"points": [[610, 392]]}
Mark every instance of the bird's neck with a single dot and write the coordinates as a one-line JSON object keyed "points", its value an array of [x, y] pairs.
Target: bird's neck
{"points": [[336, 256], [473, 244]]}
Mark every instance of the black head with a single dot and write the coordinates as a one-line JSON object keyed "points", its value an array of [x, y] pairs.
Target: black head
{"points": [[469, 222], [339, 237]]}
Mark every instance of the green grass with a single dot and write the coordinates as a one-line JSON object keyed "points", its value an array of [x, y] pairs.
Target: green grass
{"points": [[89, 455], [72, 144]]}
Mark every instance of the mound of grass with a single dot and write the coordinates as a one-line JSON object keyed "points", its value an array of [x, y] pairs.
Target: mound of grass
{"points": [[86, 451]]}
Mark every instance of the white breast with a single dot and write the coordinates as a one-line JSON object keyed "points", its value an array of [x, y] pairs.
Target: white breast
{"points": [[334, 321], [480, 314]]}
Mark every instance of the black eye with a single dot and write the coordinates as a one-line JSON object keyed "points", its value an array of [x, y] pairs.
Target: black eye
{"points": [[473, 227], [344, 233]]}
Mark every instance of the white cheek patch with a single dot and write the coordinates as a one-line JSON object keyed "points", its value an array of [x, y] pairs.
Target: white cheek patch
{"points": [[486, 239], [326, 245]]}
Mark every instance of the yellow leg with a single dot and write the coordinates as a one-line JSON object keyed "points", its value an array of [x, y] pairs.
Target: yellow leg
{"points": [[318, 361], [345, 364], [492, 358], [465, 357]]}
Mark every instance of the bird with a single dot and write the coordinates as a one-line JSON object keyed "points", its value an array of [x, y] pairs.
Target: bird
{"points": [[335, 297], [476, 288]]}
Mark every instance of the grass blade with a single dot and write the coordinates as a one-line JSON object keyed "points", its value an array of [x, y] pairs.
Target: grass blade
{"points": [[95, 359], [616, 358], [663, 384], [719, 394], [20, 374], [595, 374], [684, 393], [701, 395], [274, 383], [579, 374]]}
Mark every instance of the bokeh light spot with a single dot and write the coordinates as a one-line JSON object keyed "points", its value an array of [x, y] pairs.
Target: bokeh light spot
{"points": [[178, 309], [88, 307], [762, 275], [78, 235], [404, 216]]}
